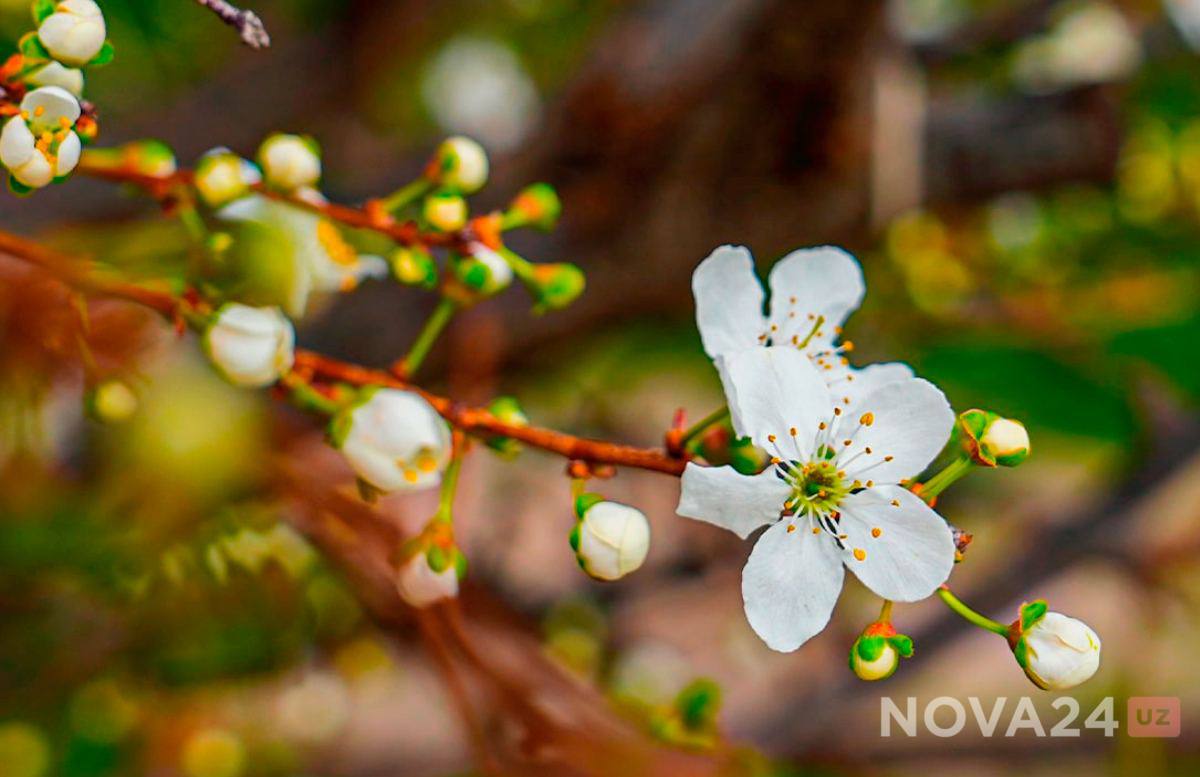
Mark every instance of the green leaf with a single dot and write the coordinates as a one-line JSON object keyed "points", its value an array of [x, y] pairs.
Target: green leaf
{"points": [[31, 47], [585, 502], [903, 644], [106, 54], [869, 648], [1021, 651], [574, 538], [18, 188], [42, 9]]}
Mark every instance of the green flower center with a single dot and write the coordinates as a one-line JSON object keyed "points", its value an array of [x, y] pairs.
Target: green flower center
{"points": [[818, 487]]}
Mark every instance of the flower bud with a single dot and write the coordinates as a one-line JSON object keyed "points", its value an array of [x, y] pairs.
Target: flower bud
{"points": [[250, 346], [74, 33], [290, 162], [459, 163], [507, 410], [431, 568], [1056, 652], [413, 266], [222, 177], [112, 401], [484, 271], [746, 457], [149, 157], [555, 286], [393, 440], [992, 440], [878, 650], [54, 74], [39, 144], [537, 205], [610, 539], [445, 211]]}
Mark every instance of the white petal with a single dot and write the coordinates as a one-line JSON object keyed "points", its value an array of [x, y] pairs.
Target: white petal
{"points": [[56, 103], [873, 376], [790, 584], [912, 421], [17, 143], [723, 497], [818, 282], [36, 172], [772, 391], [729, 301], [68, 154], [914, 551]]}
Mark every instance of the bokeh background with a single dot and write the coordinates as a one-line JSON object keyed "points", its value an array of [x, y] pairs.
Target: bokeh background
{"points": [[1021, 180]]}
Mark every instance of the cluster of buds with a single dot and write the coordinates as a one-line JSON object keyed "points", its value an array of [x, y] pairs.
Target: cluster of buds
{"points": [[610, 539], [43, 138]]}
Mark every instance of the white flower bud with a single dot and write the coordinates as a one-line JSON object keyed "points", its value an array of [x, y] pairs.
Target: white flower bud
{"points": [[74, 33], [54, 74], [393, 440], [112, 402], [222, 176], [445, 211], [289, 162], [1058, 652], [1006, 439], [461, 164], [421, 586], [39, 144], [611, 540], [250, 346], [484, 271]]}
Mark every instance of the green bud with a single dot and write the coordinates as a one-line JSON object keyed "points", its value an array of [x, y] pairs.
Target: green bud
{"points": [[111, 402], [459, 163], [508, 410], [414, 267], [746, 457], [698, 704], [445, 211], [992, 440], [222, 176], [537, 205], [555, 286], [876, 653], [484, 271]]}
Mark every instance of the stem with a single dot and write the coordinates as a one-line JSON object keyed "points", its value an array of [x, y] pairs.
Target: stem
{"points": [[812, 332], [972, 617], [428, 336], [305, 397], [944, 479], [697, 428], [885, 612], [445, 509], [405, 195]]}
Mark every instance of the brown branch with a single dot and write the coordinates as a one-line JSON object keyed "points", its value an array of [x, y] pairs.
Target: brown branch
{"points": [[249, 26], [310, 365]]}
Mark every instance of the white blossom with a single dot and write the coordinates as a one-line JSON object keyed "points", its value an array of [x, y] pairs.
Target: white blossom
{"points": [[831, 496], [461, 164], [289, 162], [611, 540], [1058, 652], [421, 586], [74, 33], [1006, 438], [394, 440], [250, 346], [813, 292], [54, 74], [39, 144], [222, 176]]}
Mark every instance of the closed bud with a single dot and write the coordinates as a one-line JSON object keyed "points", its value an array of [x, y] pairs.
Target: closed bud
{"points": [[431, 566], [222, 177], [610, 539], [991, 440], [74, 33], [537, 205], [445, 211], [507, 410], [55, 74], [1055, 651], [413, 266], [878, 650], [746, 457], [459, 163], [393, 439], [149, 157], [250, 346], [290, 162], [112, 402], [484, 271], [556, 286]]}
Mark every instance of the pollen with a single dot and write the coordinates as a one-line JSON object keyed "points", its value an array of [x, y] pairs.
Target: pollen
{"points": [[888, 458], [792, 431], [38, 111], [837, 411], [860, 554], [847, 442], [875, 532], [64, 122], [776, 460], [791, 528], [867, 419], [895, 503], [821, 426], [792, 300], [770, 438], [848, 346], [410, 475], [816, 530], [868, 450]]}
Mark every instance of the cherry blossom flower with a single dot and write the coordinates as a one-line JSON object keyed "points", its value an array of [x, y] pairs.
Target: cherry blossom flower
{"points": [[250, 346], [1057, 652], [813, 292], [394, 440], [611, 540], [74, 33], [830, 496], [40, 143]]}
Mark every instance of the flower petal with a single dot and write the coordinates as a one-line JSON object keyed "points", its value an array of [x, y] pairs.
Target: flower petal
{"points": [[17, 143], [873, 376], [729, 301], [69, 151], [46, 105], [910, 421], [772, 391], [723, 497], [896, 545], [810, 283], [790, 585]]}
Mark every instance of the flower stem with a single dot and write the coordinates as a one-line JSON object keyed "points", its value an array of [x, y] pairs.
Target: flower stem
{"points": [[445, 509], [972, 617], [428, 336], [944, 479], [305, 397], [885, 612], [697, 428], [405, 195]]}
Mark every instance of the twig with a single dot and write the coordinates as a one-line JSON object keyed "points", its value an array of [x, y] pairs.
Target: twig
{"points": [[249, 26]]}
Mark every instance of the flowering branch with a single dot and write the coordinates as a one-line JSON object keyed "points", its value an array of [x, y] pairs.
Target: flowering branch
{"points": [[249, 26]]}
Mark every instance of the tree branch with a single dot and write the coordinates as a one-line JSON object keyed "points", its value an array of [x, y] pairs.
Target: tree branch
{"points": [[249, 26]]}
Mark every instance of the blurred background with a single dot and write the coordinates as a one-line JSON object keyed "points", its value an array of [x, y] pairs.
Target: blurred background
{"points": [[1021, 180]]}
